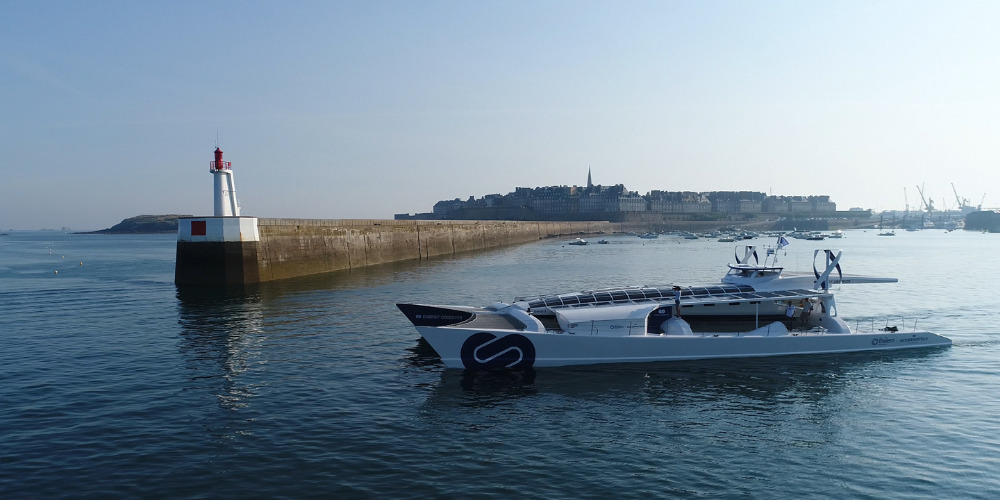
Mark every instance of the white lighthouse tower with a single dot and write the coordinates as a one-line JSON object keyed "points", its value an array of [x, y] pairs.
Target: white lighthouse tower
{"points": [[221, 249], [225, 187]]}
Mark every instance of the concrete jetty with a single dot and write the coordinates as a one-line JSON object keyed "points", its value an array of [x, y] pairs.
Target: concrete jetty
{"points": [[235, 250], [230, 249]]}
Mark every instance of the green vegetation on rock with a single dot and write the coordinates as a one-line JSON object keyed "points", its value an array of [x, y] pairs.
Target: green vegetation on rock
{"points": [[145, 224]]}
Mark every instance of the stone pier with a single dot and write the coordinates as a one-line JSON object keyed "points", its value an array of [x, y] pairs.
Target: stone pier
{"points": [[221, 251]]}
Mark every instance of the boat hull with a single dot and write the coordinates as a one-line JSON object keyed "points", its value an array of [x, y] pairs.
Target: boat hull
{"points": [[493, 349]]}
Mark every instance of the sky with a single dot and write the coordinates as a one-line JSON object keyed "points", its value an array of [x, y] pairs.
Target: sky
{"points": [[365, 109]]}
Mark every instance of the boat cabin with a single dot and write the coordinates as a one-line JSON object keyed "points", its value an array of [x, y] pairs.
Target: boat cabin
{"points": [[742, 274]]}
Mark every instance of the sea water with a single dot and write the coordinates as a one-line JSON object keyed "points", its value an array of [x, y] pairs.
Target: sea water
{"points": [[115, 384]]}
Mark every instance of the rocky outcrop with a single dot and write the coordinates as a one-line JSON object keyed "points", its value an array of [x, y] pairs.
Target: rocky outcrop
{"points": [[145, 224]]}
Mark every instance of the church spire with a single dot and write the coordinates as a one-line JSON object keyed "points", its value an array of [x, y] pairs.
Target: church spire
{"points": [[590, 184]]}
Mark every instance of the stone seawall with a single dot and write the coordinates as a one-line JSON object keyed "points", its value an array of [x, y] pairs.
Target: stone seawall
{"points": [[298, 247], [287, 248]]}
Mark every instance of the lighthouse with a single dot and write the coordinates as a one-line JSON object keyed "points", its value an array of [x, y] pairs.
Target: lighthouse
{"points": [[225, 187], [220, 249]]}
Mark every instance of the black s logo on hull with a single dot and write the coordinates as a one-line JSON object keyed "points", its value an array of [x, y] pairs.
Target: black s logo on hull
{"points": [[486, 351]]}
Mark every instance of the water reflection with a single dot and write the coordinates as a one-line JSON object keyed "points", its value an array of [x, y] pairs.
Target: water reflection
{"points": [[221, 336], [760, 382], [422, 355]]}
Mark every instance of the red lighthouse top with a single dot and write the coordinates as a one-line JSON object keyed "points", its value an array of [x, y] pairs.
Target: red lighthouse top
{"points": [[218, 164]]}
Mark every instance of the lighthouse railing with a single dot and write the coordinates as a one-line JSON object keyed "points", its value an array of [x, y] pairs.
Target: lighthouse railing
{"points": [[225, 165]]}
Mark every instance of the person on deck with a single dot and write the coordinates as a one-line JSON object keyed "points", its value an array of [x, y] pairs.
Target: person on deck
{"points": [[806, 309]]}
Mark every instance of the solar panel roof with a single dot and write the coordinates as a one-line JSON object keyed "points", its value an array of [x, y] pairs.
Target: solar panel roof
{"points": [[689, 295]]}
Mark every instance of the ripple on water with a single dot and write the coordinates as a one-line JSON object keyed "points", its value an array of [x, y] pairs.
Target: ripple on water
{"points": [[116, 384]]}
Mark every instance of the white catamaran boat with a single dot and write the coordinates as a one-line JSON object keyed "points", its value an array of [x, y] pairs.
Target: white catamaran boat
{"points": [[755, 311]]}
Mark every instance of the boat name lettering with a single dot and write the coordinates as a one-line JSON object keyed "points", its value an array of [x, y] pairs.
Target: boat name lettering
{"points": [[914, 339], [883, 340], [615, 327], [438, 316]]}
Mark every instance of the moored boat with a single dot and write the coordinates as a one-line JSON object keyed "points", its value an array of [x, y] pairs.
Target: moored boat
{"points": [[754, 311]]}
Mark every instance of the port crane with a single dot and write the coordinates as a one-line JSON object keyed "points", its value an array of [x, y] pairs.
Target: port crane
{"points": [[929, 205], [963, 203]]}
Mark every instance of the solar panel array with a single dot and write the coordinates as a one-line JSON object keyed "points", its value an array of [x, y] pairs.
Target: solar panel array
{"points": [[689, 295]]}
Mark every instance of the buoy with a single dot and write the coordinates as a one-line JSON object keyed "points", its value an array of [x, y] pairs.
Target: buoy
{"points": [[81, 263], [57, 272]]}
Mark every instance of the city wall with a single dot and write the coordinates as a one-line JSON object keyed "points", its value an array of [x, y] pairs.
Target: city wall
{"points": [[287, 248]]}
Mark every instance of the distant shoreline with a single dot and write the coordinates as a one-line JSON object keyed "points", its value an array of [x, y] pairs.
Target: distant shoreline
{"points": [[143, 224]]}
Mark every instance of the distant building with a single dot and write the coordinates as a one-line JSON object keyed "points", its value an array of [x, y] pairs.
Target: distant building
{"points": [[684, 202], [443, 208]]}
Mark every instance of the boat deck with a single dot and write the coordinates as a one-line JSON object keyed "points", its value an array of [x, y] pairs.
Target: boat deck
{"points": [[493, 322]]}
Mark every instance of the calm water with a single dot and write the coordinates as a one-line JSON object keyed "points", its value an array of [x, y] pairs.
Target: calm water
{"points": [[115, 384]]}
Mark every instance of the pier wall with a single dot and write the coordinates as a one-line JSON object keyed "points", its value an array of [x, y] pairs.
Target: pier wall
{"points": [[287, 248]]}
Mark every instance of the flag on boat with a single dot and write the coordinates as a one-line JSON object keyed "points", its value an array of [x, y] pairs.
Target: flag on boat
{"points": [[782, 242]]}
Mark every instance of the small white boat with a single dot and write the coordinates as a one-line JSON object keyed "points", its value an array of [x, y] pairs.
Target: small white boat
{"points": [[578, 241], [649, 236], [602, 242], [754, 311]]}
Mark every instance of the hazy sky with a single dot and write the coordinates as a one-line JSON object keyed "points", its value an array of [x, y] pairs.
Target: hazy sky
{"points": [[337, 109]]}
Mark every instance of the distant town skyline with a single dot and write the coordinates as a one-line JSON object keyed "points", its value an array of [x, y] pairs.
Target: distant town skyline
{"points": [[599, 202], [826, 202], [112, 109]]}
